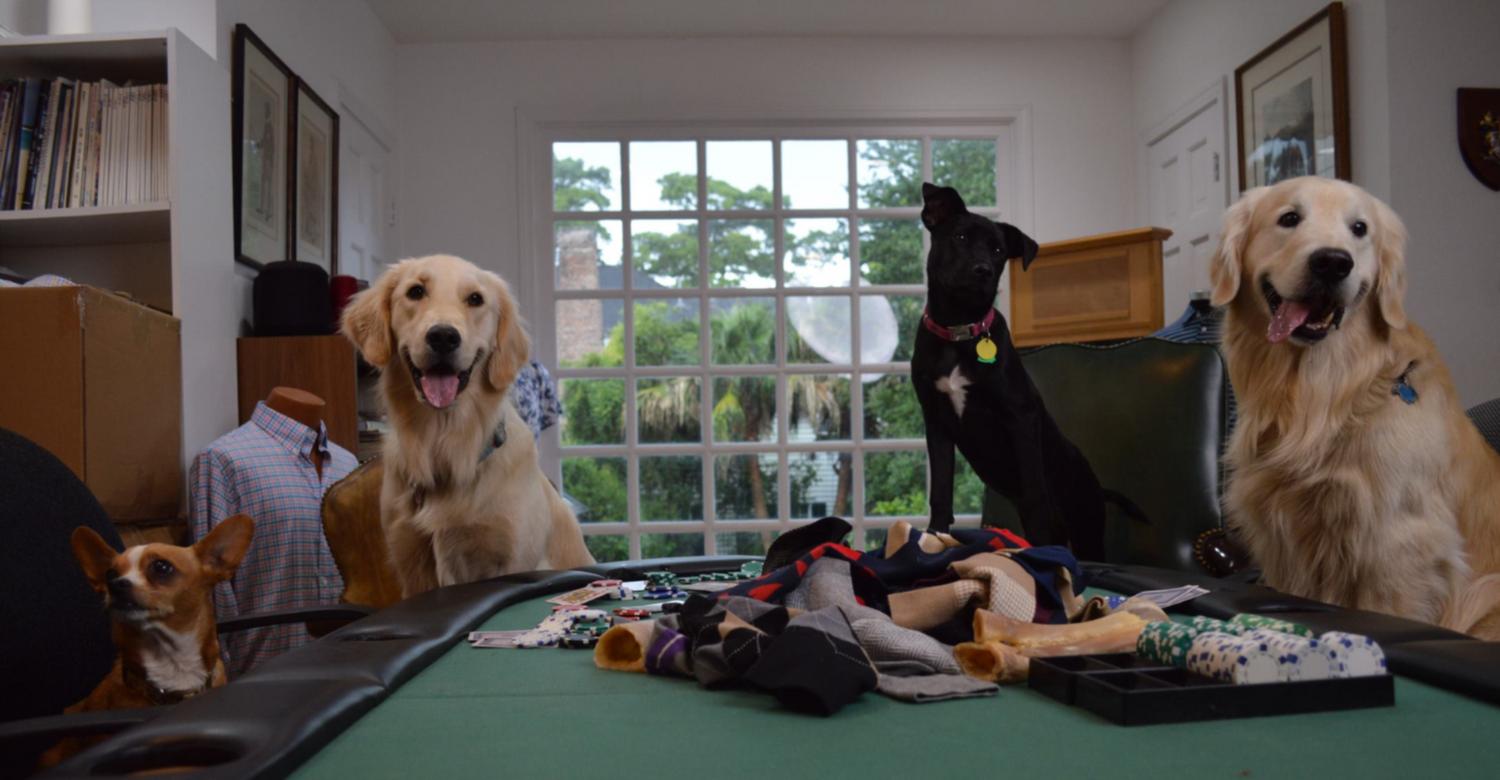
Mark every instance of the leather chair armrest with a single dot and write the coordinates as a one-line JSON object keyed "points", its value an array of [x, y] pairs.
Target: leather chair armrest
{"points": [[51, 728], [339, 613]]}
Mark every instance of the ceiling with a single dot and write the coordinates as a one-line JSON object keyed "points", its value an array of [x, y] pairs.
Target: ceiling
{"points": [[448, 21]]}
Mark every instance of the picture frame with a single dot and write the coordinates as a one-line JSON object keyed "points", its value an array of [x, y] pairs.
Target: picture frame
{"points": [[1292, 104], [263, 93], [315, 178]]}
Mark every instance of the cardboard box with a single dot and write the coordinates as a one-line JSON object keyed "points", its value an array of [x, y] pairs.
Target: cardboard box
{"points": [[97, 380]]}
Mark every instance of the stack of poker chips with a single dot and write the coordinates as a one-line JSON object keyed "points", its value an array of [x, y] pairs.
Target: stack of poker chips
{"points": [[1234, 659], [1254, 622], [1263, 655], [1204, 624], [550, 632], [662, 585], [1166, 642], [1362, 656]]}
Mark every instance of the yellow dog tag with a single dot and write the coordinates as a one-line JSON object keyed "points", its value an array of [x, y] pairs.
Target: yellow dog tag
{"points": [[985, 349]]}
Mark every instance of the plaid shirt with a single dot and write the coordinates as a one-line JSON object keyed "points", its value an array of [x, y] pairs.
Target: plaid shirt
{"points": [[262, 469]]}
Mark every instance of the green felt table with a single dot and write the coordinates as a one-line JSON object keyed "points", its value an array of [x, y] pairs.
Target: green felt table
{"points": [[549, 712]]}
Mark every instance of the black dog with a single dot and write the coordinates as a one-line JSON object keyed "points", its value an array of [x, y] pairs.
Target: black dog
{"points": [[976, 395]]}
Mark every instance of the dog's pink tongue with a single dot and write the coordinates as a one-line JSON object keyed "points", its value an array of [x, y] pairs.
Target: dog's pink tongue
{"points": [[440, 390], [1289, 317]]}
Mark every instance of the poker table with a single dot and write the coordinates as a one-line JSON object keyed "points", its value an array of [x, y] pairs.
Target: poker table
{"points": [[400, 694]]}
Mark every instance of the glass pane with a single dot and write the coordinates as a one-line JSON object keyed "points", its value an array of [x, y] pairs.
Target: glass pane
{"points": [[817, 253], [599, 484], [818, 329], [587, 255], [666, 332], [667, 411], [968, 490], [590, 333], [609, 549], [739, 174], [875, 538], [896, 483], [967, 166], [745, 542], [815, 174], [907, 311], [744, 408], [663, 175], [890, 173], [593, 411], [745, 487], [741, 253], [671, 545], [665, 253], [742, 331], [891, 409], [880, 333], [820, 407], [821, 484], [890, 251], [671, 488], [586, 176]]}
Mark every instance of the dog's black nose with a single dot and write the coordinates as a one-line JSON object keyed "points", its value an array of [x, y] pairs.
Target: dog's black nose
{"points": [[983, 271], [1330, 266], [443, 339], [119, 586]]}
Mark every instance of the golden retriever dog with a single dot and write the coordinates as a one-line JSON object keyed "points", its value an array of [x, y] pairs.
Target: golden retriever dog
{"points": [[1356, 477], [463, 497]]}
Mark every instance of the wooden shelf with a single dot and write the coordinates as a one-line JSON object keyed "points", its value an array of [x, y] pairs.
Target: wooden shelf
{"points": [[136, 223]]}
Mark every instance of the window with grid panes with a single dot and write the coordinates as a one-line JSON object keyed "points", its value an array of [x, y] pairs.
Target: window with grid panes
{"points": [[733, 320]]}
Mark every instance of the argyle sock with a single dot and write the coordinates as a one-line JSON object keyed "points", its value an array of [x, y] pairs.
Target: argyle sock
{"points": [[925, 608], [815, 666], [888, 645], [934, 687]]}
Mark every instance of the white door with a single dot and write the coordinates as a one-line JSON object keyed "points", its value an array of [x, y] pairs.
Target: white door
{"points": [[1188, 180], [367, 213]]}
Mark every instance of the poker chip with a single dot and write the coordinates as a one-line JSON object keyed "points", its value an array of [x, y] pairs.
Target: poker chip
{"points": [[1301, 658], [594, 627], [688, 580], [635, 612], [754, 568], [578, 641], [1253, 622], [1165, 642], [1362, 657], [1235, 659], [606, 583], [620, 620], [567, 607], [1203, 624]]}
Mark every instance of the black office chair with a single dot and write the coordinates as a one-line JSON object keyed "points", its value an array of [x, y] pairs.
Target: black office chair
{"points": [[1486, 417], [54, 633]]}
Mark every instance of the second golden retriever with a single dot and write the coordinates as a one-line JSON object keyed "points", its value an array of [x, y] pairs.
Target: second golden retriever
{"points": [[463, 497], [1356, 477]]}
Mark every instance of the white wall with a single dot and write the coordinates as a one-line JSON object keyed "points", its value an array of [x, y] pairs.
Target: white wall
{"points": [[458, 108]]}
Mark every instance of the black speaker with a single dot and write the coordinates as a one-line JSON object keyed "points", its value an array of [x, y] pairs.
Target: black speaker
{"points": [[291, 299]]}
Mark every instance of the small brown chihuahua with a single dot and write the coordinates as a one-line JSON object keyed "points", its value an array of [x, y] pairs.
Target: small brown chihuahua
{"points": [[160, 598]]}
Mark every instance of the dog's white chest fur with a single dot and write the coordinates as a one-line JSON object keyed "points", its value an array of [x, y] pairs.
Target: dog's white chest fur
{"points": [[953, 385], [176, 663]]}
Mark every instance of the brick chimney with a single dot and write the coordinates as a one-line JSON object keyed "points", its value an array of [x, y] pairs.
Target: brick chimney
{"points": [[580, 324]]}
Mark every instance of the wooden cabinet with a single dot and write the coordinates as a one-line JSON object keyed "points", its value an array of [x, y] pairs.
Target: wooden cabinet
{"points": [[1098, 288], [321, 365]]}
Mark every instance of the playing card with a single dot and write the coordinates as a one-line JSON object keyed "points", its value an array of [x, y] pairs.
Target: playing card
{"points": [[580, 596], [1170, 596], [494, 638]]}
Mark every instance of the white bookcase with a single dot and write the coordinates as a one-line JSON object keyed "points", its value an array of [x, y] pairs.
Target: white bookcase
{"points": [[176, 255]]}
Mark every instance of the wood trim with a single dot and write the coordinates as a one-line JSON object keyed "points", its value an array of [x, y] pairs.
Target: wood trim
{"points": [[1103, 240]]}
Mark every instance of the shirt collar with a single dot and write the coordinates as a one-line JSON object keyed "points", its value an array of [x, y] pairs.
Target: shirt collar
{"points": [[297, 437]]}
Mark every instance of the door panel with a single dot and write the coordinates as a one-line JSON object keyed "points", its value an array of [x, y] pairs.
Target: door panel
{"points": [[1188, 196]]}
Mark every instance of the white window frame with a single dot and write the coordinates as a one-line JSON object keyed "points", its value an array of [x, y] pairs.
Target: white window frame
{"points": [[539, 128]]}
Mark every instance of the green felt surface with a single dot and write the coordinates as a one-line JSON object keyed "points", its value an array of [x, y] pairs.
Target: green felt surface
{"points": [[547, 713]]}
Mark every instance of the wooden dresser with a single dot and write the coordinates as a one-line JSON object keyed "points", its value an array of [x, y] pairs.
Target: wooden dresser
{"points": [[1098, 288]]}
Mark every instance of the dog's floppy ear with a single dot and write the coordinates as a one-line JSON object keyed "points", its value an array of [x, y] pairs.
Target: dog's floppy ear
{"points": [[367, 320], [940, 204], [1018, 245], [512, 347], [222, 549], [1224, 268], [94, 556], [1390, 280]]}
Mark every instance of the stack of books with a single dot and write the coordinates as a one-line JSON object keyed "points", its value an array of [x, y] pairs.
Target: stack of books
{"points": [[68, 144]]}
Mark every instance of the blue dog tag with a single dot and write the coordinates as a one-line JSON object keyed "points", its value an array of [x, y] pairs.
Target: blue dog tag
{"points": [[1403, 388]]}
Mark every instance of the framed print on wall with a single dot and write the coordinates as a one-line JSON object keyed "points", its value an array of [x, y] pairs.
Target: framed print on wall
{"points": [[1292, 104], [315, 178], [263, 103]]}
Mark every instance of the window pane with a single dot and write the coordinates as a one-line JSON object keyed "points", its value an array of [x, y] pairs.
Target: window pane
{"points": [[586, 255], [671, 545], [967, 166], [745, 542], [739, 174], [896, 483], [671, 488], [741, 253], [890, 173], [820, 407], [744, 408], [667, 411], [663, 175], [586, 176], [887, 327], [817, 253], [818, 329], [665, 253], [968, 490], [590, 333], [593, 411], [821, 484], [745, 487], [666, 332], [743, 331], [608, 549], [815, 174], [875, 538], [891, 409], [600, 485], [890, 251]]}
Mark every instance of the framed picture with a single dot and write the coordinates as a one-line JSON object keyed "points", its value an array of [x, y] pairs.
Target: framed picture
{"points": [[262, 107], [1292, 104], [315, 177]]}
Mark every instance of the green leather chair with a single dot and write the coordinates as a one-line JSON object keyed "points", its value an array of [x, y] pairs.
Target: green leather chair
{"points": [[1152, 418]]}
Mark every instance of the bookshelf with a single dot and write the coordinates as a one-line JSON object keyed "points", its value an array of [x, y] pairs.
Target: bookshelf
{"points": [[177, 254]]}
